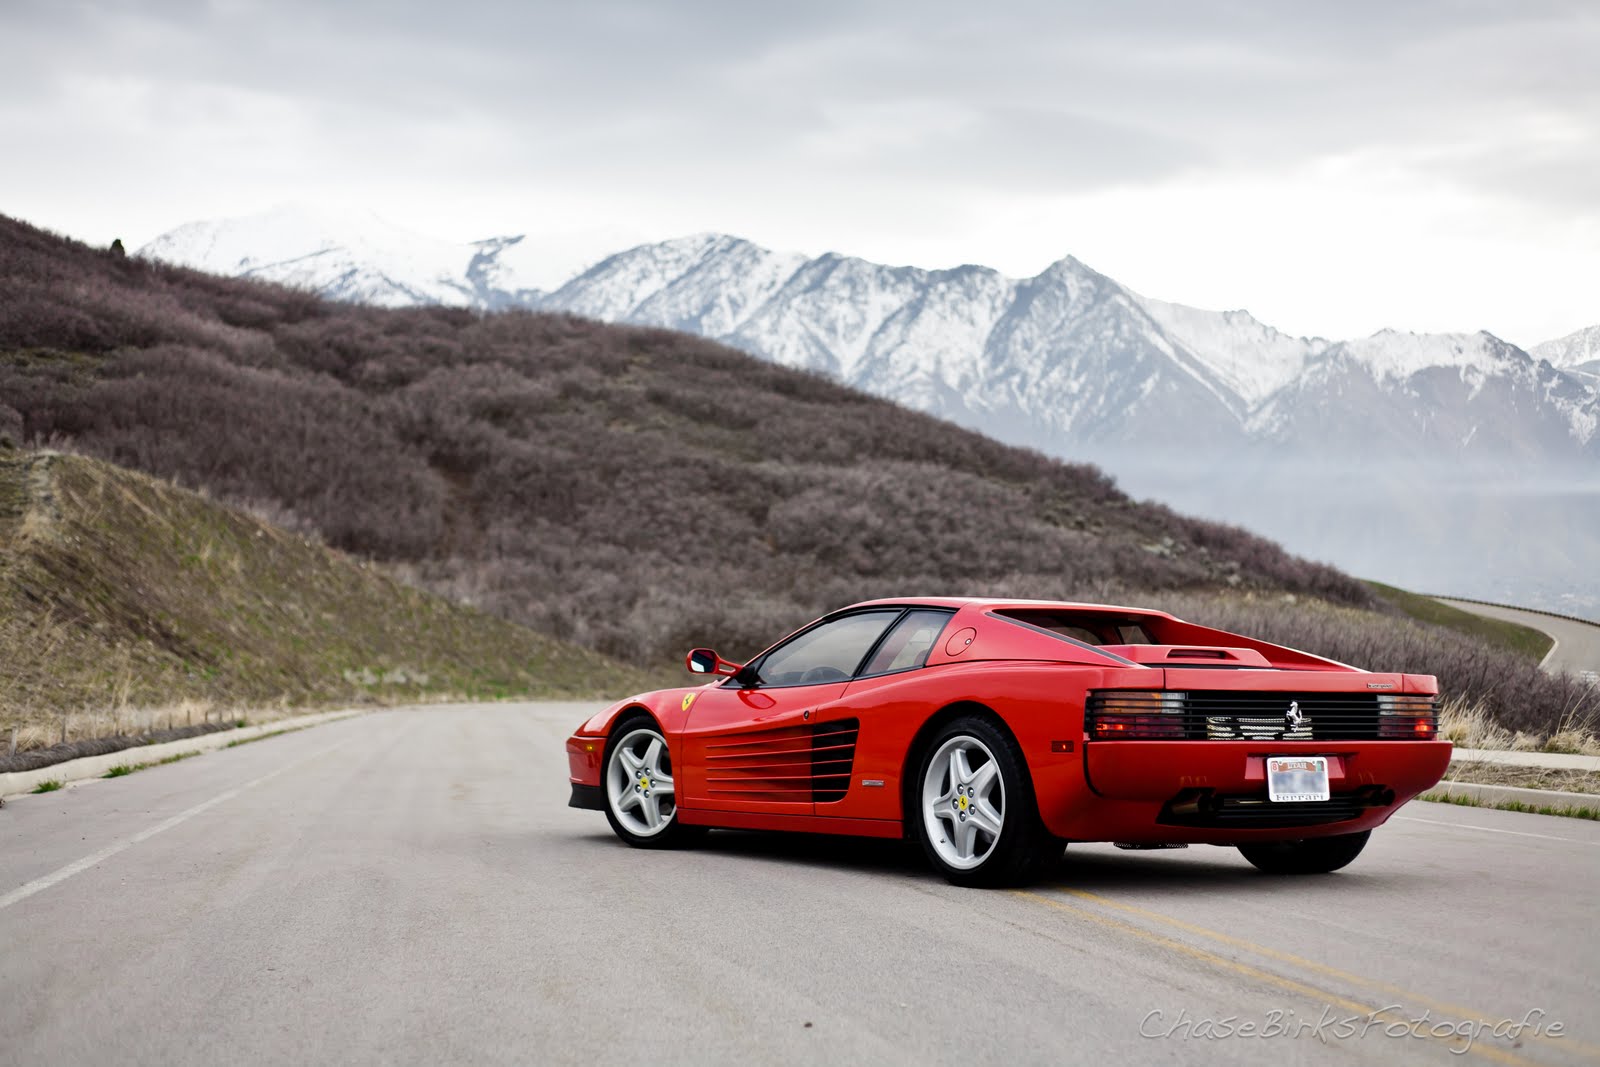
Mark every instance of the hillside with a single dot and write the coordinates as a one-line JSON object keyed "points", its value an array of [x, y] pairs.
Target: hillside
{"points": [[119, 591], [1307, 441], [635, 490]]}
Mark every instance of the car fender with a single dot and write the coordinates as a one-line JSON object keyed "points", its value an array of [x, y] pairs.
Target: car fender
{"points": [[669, 707], [1040, 704]]}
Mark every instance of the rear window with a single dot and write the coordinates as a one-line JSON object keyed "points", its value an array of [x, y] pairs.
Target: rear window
{"points": [[1084, 627]]}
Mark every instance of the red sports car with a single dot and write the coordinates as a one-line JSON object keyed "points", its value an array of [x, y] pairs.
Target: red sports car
{"points": [[996, 731]]}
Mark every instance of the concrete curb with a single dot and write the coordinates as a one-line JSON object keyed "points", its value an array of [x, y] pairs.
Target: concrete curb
{"points": [[15, 783], [1500, 794]]}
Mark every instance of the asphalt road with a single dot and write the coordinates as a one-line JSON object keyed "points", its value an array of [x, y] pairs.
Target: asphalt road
{"points": [[1577, 648], [410, 887]]}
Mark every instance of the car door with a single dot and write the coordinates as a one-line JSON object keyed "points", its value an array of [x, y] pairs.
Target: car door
{"points": [[880, 712], [762, 747]]}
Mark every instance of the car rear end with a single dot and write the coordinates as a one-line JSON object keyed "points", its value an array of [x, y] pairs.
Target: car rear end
{"points": [[1245, 755]]}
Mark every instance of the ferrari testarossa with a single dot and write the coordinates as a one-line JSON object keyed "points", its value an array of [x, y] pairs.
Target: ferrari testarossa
{"points": [[997, 731]]}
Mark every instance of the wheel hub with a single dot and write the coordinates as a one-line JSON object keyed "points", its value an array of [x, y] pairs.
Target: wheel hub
{"points": [[639, 783], [964, 802]]}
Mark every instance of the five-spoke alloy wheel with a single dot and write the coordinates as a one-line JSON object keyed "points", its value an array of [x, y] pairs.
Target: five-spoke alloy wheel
{"points": [[963, 802], [975, 812], [641, 797]]}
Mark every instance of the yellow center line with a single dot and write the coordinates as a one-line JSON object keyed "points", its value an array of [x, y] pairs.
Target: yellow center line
{"points": [[1456, 1010], [1311, 992]]}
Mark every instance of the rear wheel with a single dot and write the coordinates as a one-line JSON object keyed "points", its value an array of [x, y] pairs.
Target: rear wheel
{"points": [[641, 796], [975, 812], [1312, 855]]}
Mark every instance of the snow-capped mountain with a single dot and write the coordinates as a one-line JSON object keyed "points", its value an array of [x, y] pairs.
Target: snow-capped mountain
{"points": [[362, 259], [1067, 358], [1072, 358], [1577, 353], [1432, 397]]}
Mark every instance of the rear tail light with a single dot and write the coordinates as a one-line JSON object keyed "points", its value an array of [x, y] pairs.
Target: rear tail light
{"points": [[1135, 714], [1404, 715]]}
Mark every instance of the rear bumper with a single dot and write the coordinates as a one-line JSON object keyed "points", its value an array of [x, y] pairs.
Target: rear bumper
{"points": [[1216, 792]]}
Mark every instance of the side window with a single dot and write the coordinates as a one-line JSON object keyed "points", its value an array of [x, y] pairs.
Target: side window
{"points": [[826, 653], [909, 643]]}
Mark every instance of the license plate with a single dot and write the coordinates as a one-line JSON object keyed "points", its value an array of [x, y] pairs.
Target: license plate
{"points": [[1296, 779]]}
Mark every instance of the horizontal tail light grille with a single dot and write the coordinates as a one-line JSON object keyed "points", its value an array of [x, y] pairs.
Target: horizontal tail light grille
{"points": [[1232, 715]]}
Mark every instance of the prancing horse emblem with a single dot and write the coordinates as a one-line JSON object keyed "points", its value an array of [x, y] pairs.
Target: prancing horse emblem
{"points": [[1293, 719]]}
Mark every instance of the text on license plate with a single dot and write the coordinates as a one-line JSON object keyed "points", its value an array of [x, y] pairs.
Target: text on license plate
{"points": [[1291, 779]]}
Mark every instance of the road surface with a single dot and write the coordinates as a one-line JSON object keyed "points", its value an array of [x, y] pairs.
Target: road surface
{"points": [[1577, 648], [410, 886]]}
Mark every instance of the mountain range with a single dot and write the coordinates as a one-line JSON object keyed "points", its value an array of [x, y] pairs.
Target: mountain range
{"points": [[1404, 456]]}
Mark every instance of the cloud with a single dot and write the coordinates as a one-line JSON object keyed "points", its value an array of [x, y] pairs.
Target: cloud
{"points": [[831, 122]]}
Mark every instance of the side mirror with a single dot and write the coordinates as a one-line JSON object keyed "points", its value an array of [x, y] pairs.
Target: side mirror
{"points": [[705, 661]]}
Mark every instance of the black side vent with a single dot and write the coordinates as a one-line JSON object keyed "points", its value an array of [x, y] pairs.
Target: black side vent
{"points": [[833, 757]]}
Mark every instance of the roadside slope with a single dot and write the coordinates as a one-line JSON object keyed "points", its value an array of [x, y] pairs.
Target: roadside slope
{"points": [[118, 590]]}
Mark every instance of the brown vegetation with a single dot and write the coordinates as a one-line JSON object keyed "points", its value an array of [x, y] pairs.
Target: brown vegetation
{"points": [[597, 480], [636, 491]]}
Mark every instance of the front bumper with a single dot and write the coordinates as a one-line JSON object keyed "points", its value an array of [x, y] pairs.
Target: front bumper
{"points": [[584, 756], [587, 797]]}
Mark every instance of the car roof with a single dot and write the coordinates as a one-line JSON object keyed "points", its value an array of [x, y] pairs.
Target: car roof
{"points": [[1002, 604]]}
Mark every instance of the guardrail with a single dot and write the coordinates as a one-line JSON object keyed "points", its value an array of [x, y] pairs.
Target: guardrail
{"points": [[1515, 607]]}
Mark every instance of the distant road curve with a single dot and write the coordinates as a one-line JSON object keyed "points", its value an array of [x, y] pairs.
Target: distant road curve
{"points": [[1577, 647]]}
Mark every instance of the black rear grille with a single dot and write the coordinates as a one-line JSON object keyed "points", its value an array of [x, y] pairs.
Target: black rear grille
{"points": [[1241, 715], [1201, 807], [1265, 716]]}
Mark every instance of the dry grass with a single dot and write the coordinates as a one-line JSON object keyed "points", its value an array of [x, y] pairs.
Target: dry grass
{"points": [[129, 606], [1478, 772], [1467, 724], [38, 727]]}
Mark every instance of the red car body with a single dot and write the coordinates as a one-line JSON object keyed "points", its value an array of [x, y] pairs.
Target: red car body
{"points": [[1134, 727]]}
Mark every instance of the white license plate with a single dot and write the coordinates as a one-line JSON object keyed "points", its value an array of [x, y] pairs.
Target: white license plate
{"points": [[1294, 779]]}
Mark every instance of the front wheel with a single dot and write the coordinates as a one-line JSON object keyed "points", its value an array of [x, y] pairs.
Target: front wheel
{"points": [[976, 818], [1312, 855], [641, 796]]}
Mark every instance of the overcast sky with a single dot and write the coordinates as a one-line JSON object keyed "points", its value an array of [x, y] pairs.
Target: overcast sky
{"points": [[1333, 167]]}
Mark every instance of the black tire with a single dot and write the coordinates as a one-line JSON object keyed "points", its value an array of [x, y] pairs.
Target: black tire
{"points": [[1311, 855], [635, 732], [1023, 848]]}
